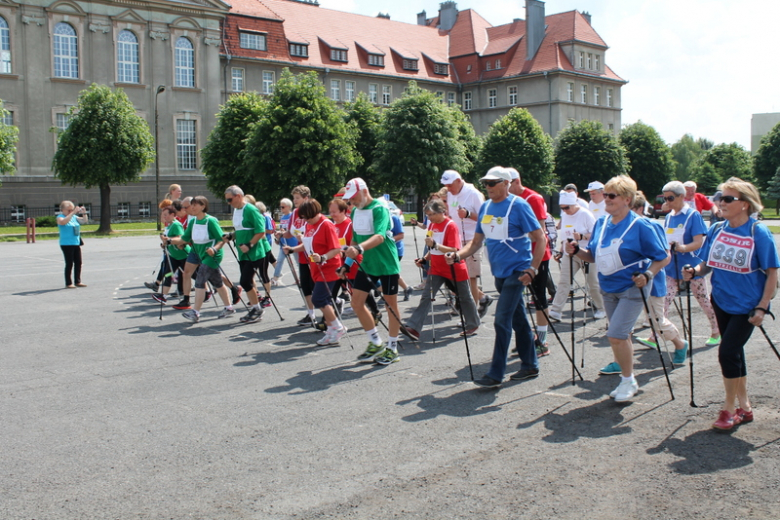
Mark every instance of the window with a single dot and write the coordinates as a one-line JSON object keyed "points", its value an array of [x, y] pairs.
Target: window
{"points": [[127, 58], [66, 51], [237, 76], [18, 213], [186, 144], [185, 63], [596, 92], [487, 65], [335, 90], [498, 64], [5, 47], [468, 69], [467, 101], [297, 49], [611, 127], [255, 41], [590, 60], [144, 209], [492, 98], [570, 92], [349, 91], [597, 65], [441, 68], [584, 94], [450, 98], [8, 118], [123, 210], [609, 97], [582, 60], [376, 59], [268, 82], [410, 64], [512, 95], [338, 55], [372, 93], [439, 95], [62, 121], [387, 94]]}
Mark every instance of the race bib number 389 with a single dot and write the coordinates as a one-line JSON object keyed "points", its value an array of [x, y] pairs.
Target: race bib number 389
{"points": [[731, 253]]}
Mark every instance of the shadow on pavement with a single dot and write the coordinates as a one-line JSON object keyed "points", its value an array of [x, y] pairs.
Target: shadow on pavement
{"points": [[596, 421], [705, 451]]}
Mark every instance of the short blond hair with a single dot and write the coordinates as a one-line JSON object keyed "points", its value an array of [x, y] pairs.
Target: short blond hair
{"points": [[747, 192], [623, 186], [639, 201]]}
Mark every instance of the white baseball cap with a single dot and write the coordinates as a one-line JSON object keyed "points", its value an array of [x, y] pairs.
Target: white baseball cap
{"points": [[497, 173], [595, 185], [449, 176], [353, 187], [513, 174], [567, 198]]}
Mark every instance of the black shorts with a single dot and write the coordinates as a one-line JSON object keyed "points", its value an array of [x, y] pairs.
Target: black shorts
{"points": [[307, 284], [539, 285], [388, 282]]}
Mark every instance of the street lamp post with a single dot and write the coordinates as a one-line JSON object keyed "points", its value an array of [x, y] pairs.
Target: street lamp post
{"points": [[160, 89]]}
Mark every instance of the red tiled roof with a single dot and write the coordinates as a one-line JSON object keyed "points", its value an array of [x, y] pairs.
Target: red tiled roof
{"points": [[469, 34], [252, 8]]}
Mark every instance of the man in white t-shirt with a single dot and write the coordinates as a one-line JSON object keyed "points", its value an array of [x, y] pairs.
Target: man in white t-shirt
{"points": [[597, 204], [463, 203]]}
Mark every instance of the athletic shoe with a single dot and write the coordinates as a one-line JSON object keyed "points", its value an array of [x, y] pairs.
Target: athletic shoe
{"points": [[183, 305], [679, 355], [252, 316], [226, 312], [407, 293], [525, 373], [275, 282], [542, 350], [339, 306], [159, 297], [152, 286], [340, 333], [487, 382], [712, 342], [321, 325], [554, 316], [306, 320], [470, 332], [332, 336], [648, 342], [599, 314], [746, 417], [371, 353], [209, 294], [236, 292], [265, 302], [345, 296], [625, 391], [419, 286], [387, 357], [191, 315], [611, 369], [483, 305], [726, 421]]}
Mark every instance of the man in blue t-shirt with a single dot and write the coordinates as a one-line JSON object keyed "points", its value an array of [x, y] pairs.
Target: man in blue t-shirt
{"points": [[508, 227]]}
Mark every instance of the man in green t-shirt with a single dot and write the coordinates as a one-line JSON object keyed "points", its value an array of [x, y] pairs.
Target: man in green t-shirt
{"points": [[372, 238]]}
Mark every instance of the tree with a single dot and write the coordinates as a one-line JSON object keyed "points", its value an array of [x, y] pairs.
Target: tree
{"points": [[767, 158], [9, 136], [366, 118], [707, 178], [773, 189], [587, 152], [471, 143], [418, 140], [302, 139], [221, 157], [517, 140], [649, 156], [725, 160], [105, 143], [685, 153]]}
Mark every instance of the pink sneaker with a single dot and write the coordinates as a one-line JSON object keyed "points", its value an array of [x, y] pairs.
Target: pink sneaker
{"points": [[726, 421], [745, 417]]}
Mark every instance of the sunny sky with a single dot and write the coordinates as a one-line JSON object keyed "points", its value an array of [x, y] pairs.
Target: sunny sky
{"points": [[693, 66]]}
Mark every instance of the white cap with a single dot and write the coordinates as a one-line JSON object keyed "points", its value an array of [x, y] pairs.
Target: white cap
{"points": [[513, 174], [449, 176], [595, 185], [353, 187], [567, 198], [497, 173]]}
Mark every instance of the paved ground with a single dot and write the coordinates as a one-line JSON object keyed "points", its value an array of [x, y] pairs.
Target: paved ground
{"points": [[109, 412]]}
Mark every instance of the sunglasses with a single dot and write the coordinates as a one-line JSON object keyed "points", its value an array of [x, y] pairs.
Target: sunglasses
{"points": [[491, 184], [565, 207], [611, 196], [229, 200], [670, 198], [728, 199]]}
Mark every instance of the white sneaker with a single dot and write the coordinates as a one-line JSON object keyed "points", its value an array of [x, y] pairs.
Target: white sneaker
{"points": [[332, 337], [599, 314], [625, 391], [556, 316]]}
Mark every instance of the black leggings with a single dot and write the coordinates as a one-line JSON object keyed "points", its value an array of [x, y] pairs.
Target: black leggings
{"points": [[72, 256], [735, 330], [178, 267]]}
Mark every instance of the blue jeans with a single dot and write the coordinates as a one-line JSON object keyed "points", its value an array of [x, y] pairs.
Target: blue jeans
{"points": [[280, 261], [509, 316]]}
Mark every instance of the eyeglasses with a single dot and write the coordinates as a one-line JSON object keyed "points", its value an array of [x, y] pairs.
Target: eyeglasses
{"points": [[491, 184], [229, 200], [565, 207], [611, 196], [670, 198], [728, 199]]}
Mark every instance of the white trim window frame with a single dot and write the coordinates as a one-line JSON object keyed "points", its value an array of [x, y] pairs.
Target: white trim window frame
{"points": [[610, 100], [450, 98], [237, 79], [269, 80], [128, 65], [349, 91], [512, 95], [596, 95], [186, 144], [492, 98], [184, 75], [373, 93], [387, 94], [570, 92], [5, 47], [584, 94], [252, 40], [467, 101], [65, 47], [335, 90]]}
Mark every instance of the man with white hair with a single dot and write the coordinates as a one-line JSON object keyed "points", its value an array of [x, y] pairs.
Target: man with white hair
{"points": [[597, 204], [698, 201], [464, 201]]}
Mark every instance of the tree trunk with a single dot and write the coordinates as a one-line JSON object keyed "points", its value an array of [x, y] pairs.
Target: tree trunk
{"points": [[420, 204], [105, 209]]}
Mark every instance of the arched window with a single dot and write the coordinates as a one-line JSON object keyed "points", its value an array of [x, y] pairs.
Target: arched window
{"points": [[5, 47], [185, 63], [127, 57], [66, 51]]}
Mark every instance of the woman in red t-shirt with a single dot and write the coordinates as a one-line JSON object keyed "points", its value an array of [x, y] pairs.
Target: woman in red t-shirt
{"points": [[321, 246], [443, 237]]}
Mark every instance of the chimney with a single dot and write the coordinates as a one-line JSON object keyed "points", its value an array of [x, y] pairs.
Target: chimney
{"points": [[448, 15], [534, 26], [421, 18], [586, 15]]}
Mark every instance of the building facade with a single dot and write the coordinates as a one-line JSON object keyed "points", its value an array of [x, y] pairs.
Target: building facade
{"points": [[202, 51]]}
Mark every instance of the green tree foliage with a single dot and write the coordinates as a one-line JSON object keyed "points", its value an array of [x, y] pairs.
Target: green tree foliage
{"points": [[707, 178], [649, 156], [302, 139], [418, 139], [471, 142], [9, 136], [773, 189], [221, 157], [685, 153], [725, 160], [518, 141], [366, 118], [585, 152], [767, 158], [105, 143]]}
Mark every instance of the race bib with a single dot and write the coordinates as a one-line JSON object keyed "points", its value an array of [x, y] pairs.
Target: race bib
{"points": [[487, 219], [675, 234], [731, 253], [342, 241], [363, 223]]}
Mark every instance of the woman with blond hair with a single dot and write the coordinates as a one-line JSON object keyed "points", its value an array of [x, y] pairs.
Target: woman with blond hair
{"points": [[742, 256], [620, 245], [69, 223]]}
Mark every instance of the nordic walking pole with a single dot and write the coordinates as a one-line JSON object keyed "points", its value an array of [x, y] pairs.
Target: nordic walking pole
{"points": [[687, 267], [680, 286], [166, 275], [416, 248], [763, 331], [585, 299], [560, 341], [298, 284], [652, 327], [233, 285], [333, 303], [462, 320], [571, 306]]}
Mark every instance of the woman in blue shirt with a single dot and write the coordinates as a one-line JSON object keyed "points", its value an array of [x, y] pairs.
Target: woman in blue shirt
{"points": [[742, 256], [69, 223]]}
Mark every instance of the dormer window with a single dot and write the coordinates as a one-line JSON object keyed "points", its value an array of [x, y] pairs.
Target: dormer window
{"points": [[338, 55], [410, 64], [487, 65], [498, 64], [598, 62], [299, 49], [376, 60], [252, 40], [441, 68]]}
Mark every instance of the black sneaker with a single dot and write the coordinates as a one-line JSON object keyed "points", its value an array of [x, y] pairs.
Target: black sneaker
{"points": [[321, 325], [487, 382], [525, 373], [252, 316], [306, 320], [207, 299], [407, 293], [159, 297], [183, 305], [483, 305]]}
